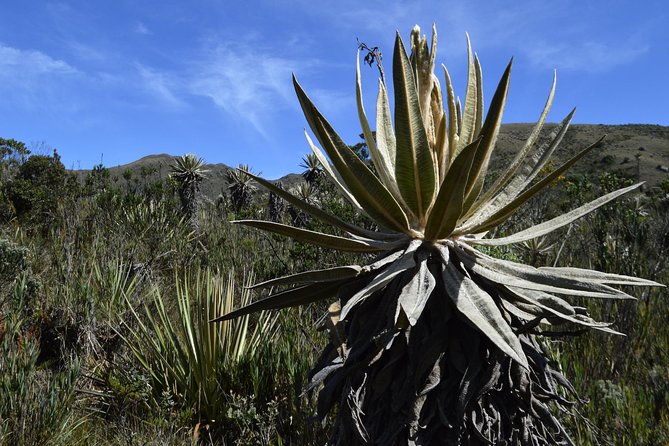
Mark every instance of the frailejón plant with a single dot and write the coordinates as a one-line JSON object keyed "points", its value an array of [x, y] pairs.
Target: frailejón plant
{"points": [[433, 341], [312, 168], [241, 186], [188, 171]]}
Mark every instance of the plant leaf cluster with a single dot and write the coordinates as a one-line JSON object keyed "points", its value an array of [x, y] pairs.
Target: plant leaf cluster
{"points": [[435, 339]]}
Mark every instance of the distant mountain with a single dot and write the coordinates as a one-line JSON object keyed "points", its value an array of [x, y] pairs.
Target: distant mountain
{"points": [[633, 149], [154, 167]]}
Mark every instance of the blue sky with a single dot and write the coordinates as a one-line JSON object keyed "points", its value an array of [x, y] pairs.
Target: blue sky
{"points": [[113, 81]]}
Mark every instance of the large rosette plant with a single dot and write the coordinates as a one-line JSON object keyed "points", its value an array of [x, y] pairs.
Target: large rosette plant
{"points": [[435, 341]]}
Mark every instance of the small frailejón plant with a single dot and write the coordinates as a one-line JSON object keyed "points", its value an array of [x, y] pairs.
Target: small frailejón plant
{"points": [[188, 171], [435, 342], [240, 183], [313, 170]]}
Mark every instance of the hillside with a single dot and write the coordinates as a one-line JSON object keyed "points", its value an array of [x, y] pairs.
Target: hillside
{"points": [[635, 150]]}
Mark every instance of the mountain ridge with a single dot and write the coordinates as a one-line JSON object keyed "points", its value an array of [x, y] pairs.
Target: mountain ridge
{"points": [[638, 151]]}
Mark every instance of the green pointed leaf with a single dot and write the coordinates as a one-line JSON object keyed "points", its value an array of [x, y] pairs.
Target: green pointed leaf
{"points": [[469, 113], [442, 150], [479, 97], [333, 174], [448, 205], [453, 130], [288, 298], [597, 276], [555, 223], [476, 260], [320, 214], [522, 155], [555, 306], [415, 294], [527, 173], [503, 214], [372, 195], [415, 167], [458, 115], [380, 156], [531, 280], [385, 135], [489, 133], [404, 262], [479, 308], [320, 275], [315, 238]]}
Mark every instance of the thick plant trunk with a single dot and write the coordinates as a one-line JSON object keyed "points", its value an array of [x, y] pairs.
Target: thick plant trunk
{"points": [[440, 381]]}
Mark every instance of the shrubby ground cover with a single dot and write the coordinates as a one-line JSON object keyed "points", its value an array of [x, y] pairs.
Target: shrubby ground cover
{"points": [[78, 284], [109, 288]]}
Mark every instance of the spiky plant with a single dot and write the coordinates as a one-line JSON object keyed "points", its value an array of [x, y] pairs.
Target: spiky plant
{"points": [[241, 186], [188, 171], [275, 205], [191, 360], [307, 194], [434, 341], [313, 170]]}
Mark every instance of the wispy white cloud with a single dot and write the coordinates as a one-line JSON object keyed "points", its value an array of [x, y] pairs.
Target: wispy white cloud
{"points": [[30, 78], [161, 85], [246, 82], [25, 64]]}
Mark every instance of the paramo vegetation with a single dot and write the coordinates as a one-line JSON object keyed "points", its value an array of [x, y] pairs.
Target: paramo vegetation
{"points": [[108, 286]]}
